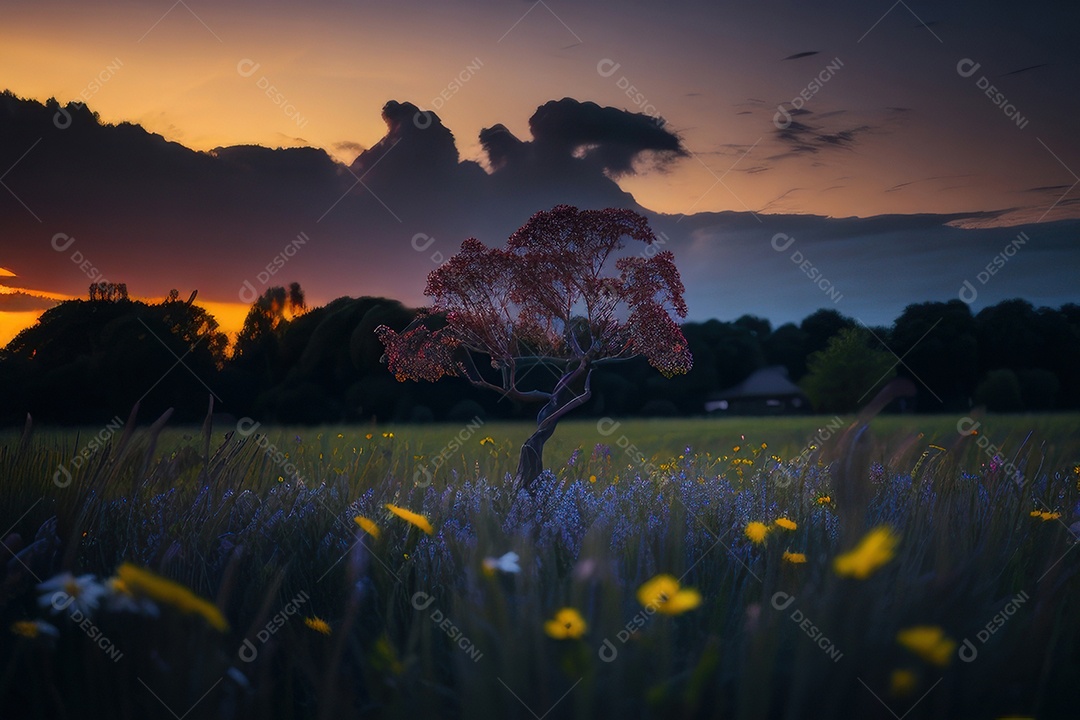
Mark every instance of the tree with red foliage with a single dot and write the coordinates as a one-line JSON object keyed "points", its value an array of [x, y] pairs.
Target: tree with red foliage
{"points": [[544, 299]]}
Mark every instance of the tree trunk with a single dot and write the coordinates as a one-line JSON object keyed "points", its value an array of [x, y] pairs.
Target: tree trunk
{"points": [[531, 460], [562, 401]]}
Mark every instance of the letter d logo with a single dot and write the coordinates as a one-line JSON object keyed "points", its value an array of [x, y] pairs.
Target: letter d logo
{"points": [[967, 67], [608, 652], [607, 67], [422, 478], [61, 242], [247, 67], [782, 118], [248, 651], [62, 477], [248, 293], [62, 119], [605, 426], [422, 120], [781, 600], [245, 426], [422, 601], [968, 293], [784, 238]]}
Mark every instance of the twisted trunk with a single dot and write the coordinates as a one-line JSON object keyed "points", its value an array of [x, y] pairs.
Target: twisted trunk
{"points": [[561, 401]]}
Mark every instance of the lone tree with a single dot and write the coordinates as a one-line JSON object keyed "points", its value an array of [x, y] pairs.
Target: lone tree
{"points": [[268, 317], [544, 299], [840, 378]]}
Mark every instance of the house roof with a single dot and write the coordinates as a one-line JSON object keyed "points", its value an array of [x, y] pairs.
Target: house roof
{"points": [[769, 382]]}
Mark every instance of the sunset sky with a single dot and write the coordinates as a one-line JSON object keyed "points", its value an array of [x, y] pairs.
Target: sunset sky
{"points": [[896, 118]]}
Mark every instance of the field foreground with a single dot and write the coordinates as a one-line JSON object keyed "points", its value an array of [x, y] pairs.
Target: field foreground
{"points": [[780, 568]]}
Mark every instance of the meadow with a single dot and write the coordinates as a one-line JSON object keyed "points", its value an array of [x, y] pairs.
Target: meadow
{"points": [[810, 567]]}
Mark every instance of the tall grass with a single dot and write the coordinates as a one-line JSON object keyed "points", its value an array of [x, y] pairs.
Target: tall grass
{"points": [[418, 629]]}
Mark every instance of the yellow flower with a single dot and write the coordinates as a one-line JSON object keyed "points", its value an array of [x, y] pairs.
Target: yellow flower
{"points": [[756, 531], [384, 658], [786, 524], [1045, 515], [902, 683], [25, 628], [388, 435], [318, 625], [143, 582], [874, 550], [928, 642], [487, 440], [33, 628], [592, 478], [368, 436], [567, 624], [412, 518], [664, 594], [367, 526], [824, 500], [794, 558]]}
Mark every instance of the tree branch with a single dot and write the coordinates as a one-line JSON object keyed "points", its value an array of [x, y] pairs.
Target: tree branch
{"points": [[472, 374]]}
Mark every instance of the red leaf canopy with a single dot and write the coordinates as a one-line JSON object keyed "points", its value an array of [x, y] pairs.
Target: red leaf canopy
{"points": [[546, 296]]}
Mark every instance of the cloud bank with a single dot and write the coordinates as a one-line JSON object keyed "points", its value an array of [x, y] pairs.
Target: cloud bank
{"points": [[83, 201]]}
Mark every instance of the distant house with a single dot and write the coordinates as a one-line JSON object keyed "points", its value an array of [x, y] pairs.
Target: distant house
{"points": [[767, 391]]}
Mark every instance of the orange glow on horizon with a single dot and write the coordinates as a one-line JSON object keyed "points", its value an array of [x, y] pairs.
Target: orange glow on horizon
{"points": [[230, 315], [12, 323]]}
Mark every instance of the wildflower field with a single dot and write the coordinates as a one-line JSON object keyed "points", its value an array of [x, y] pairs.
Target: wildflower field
{"points": [[914, 567]]}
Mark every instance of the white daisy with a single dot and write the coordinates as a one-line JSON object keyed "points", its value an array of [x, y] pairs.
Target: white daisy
{"points": [[65, 592], [34, 629], [508, 563]]}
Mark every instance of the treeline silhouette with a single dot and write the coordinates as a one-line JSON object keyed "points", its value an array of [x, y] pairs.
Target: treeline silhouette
{"points": [[87, 361]]}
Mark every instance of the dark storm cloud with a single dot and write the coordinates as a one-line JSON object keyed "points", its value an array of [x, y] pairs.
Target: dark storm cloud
{"points": [[157, 215], [500, 146], [611, 137], [416, 150]]}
